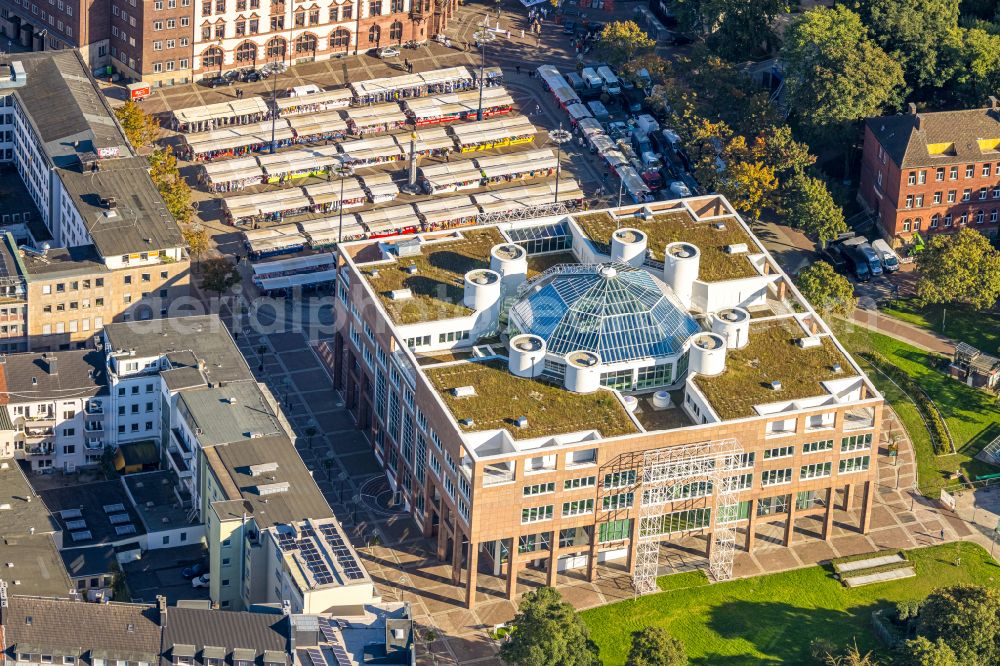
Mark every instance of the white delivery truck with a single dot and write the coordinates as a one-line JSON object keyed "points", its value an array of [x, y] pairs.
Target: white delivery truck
{"points": [[889, 259], [592, 79]]}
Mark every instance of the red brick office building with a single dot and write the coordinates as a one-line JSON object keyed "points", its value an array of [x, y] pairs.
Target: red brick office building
{"points": [[933, 172]]}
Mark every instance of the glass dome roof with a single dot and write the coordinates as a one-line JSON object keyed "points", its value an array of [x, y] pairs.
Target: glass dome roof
{"points": [[616, 310]]}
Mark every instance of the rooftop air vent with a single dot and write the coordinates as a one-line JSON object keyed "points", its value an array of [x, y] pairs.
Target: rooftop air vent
{"points": [[467, 423], [273, 488], [838, 368], [809, 342], [411, 269], [721, 226], [776, 385], [263, 468], [375, 273], [463, 391], [109, 202], [737, 248], [521, 422], [400, 294]]}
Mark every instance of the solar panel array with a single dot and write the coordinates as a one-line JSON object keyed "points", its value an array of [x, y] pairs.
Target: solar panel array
{"points": [[327, 630], [343, 552], [119, 518], [114, 508], [123, 530], [286, 541], [340, 655], [68, 514], [81, 536], [76, 524], [314, 560], [316, 656]]}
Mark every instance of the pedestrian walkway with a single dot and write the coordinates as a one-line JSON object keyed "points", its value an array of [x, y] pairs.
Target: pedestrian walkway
{"points": [[914, 335]]}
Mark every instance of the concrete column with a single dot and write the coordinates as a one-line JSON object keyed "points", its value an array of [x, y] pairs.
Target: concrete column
{"points": [[848, 496], [709, 545], [512, 558], [553, 559], [790, 523], [442, 545], [828, 519], [592, 560], [866, 508], [456, 559], [470, 587], [751, 525]]}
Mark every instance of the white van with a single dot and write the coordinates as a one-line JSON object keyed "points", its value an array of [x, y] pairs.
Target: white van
{"points": [[889, 259], [591, 78], [611, 84]]}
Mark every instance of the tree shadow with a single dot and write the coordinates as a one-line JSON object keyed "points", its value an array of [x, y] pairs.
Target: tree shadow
{"points": [[782, 631]]}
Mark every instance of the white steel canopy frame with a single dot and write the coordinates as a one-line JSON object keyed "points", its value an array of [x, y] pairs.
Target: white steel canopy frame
{"points": [[664, 472]]}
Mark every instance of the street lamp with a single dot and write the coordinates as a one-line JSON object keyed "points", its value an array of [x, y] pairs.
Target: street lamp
{"points": [[559, 137], [482, 37], [344, 171]]}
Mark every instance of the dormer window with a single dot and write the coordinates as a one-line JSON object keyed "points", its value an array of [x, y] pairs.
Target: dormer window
{"points": [[183, 655]]}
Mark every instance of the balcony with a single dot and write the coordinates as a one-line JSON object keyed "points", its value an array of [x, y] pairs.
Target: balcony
{"points": [[177, 440], [179, 464], [860, 418], [43, 449], [94, 445], [38, 432], [41, 418], [94, 409], [500, 473], [94, 426]]}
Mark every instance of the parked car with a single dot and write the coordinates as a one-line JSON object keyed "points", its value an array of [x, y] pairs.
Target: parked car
{"points": [[387, 52], [680, 189], [200, 581], [216, 81], [193, 571]]}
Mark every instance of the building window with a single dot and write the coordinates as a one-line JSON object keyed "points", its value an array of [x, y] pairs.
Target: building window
{"points": [[815, 447], [939, 175], [212, 57], [539, 489], [851, 465], [580, 482], [856, 443], [967, 194], [614, 530], [776, 477], [536, 514], [970, 171], [616, 502], [918, 201], [937, 197], [953, 173], [983, 191], [815, 471], [935, 220], [986, 170], [578, 507], [340, 39], [276, 47], [922, 177], [374, 34], [911, 179], [396, 31], [620, 479], [246, 52], [305, 43], [374, 7], [980, 216], [779, 452]]}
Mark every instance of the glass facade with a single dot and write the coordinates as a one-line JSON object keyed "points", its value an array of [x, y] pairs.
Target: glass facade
{"points": [[546, 238]]}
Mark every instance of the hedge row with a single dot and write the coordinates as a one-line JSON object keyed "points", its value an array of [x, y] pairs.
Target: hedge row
{"points": [[940, 438], [866, 556]]}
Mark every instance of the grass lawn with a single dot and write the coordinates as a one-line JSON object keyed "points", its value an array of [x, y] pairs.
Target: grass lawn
{"points": [[973, 416], [979, 329], [772, 619]]}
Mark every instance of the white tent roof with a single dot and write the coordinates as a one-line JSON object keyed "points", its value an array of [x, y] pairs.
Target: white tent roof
{"points": [[408, 81], [297, 280], [495, 166], [329, 192], [367, 116], [389, 217], [225, 171], [230, 109], [264, 269], [450, 173], [339, 98], [318, 123]]}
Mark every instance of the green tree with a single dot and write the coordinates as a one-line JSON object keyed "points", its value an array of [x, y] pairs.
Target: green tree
{"points": [[827, 290], [749, 185], [780, 151], [173, 188], [219, 274], [922, 652], [834, 74], [852, 657], [915, 33], [809, 206], [961, 267], [197, 239], [141, 129], [742, 29], [653, 646], [967, 619], [976, 71], [620, 41], [548, 633]]}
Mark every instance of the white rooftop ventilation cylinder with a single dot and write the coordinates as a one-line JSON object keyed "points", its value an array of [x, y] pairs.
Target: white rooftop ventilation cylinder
{"points": [[583, 372], [511, 262], [708, 354], [733, 324], [629, 246], [482, 289], [527, 355], [681, 262]]}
